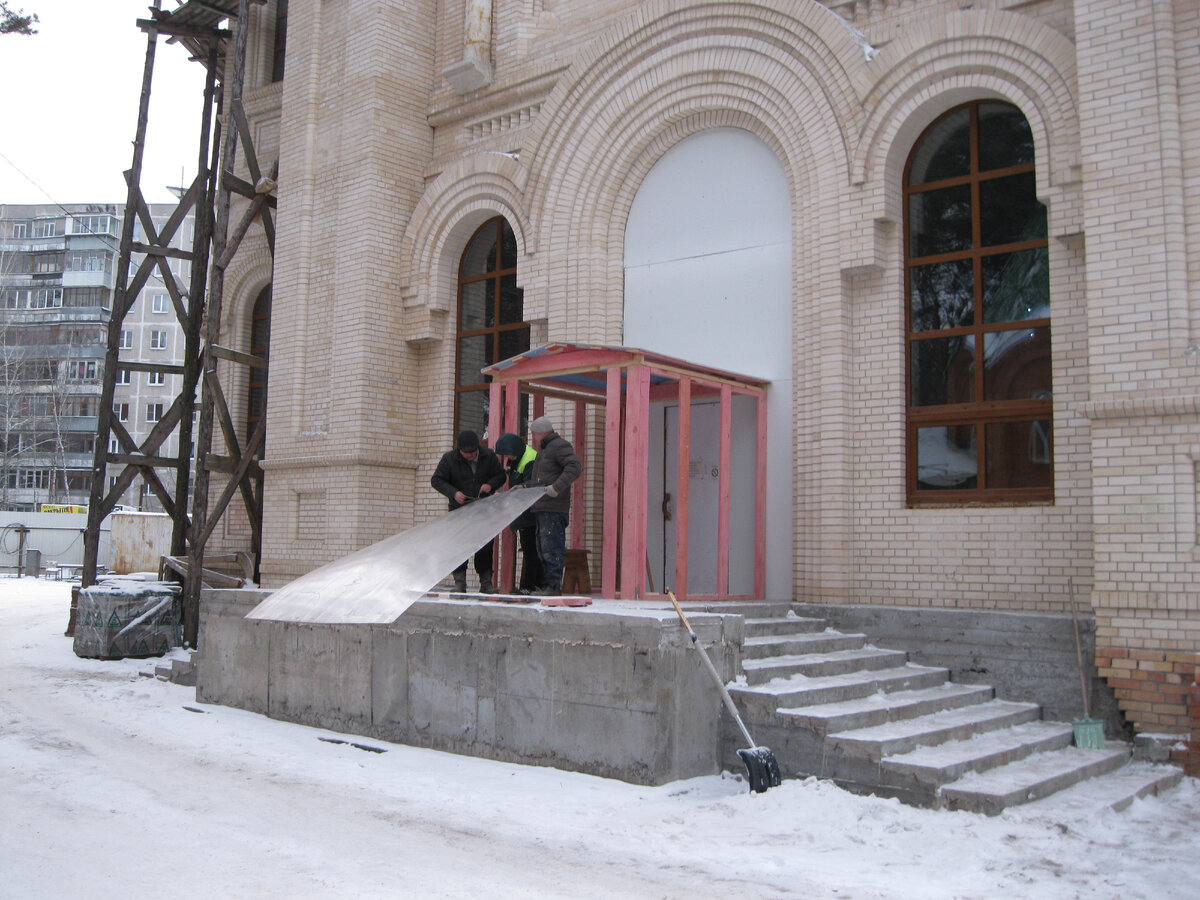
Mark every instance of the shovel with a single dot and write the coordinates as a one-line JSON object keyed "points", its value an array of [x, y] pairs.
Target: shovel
{"points": [[762, 769]]}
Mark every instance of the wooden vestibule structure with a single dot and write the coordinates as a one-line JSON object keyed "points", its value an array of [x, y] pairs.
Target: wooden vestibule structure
{"points": [[625, 383]]}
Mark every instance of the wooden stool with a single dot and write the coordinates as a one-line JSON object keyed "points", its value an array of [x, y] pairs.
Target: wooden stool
{"points": [[576, 578]]}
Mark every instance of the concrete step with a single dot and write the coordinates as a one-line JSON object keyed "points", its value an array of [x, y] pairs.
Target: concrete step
{"points": [[802, 691], [816, 665], [1028, 779], [800, 644], [750, 609], [892, 738], [932, 766], [881, 708], [784, 625], [1115, 791]]}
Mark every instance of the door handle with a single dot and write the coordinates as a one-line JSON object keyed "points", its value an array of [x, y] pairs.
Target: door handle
{"points": [[666, 508]]}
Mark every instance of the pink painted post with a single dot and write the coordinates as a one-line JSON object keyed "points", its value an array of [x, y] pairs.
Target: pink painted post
{"points": [[578, 493], [682, 485], [612, 483], [539, 407], [635, 487], [495, 428], [760, 499], [723, 492]]}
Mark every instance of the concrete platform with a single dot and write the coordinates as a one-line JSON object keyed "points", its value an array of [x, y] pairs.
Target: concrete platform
{"points": [[612, 689]]}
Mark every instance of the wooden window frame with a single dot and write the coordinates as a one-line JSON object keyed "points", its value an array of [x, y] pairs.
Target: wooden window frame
{"points": [[979, 414], [503, 269]]}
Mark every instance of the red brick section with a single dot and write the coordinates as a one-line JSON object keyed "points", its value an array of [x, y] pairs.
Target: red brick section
{"points": [[1159, 692]]}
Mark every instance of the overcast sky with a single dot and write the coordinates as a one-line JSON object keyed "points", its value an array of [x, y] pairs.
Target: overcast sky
{"points": [[70, 105]]}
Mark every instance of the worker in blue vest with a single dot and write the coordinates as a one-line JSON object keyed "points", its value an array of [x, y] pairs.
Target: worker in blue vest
{"points": [[518, 458]]}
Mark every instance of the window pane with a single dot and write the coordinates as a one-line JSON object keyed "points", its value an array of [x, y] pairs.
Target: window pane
{"points": [[1009, 211], [478, 306], [513, 342], [946, 458], [939, 221], [1016, 286], [1017, 364], [1004, 137], [943, 371], [512, 305], [945, 151], [472, 412], [508, 255], [942, 295], [480, 255], [1018, 454], [473, 354]]}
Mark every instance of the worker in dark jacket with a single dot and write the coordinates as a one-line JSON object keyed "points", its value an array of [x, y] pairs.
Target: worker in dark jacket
{"points": [[467, 473], [556, 467], [518, 457]]}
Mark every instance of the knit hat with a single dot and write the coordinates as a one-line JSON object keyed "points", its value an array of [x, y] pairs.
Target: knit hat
{"points": [[468, 441], [509, 444], [540, 425]]}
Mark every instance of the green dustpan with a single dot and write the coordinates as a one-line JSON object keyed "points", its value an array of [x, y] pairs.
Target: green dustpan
{"points": [[1089, 733]]}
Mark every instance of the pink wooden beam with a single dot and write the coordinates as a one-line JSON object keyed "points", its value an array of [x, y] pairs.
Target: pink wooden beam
{"points": [[760, 497], [683, 485], [723, 481], [578, 493], [612, 484], [636, 482]]}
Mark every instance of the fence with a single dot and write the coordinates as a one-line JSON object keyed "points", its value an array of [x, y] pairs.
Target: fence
{"points": [[57, 536]]}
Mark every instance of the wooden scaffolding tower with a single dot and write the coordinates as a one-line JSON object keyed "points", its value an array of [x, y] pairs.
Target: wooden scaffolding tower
{"points": [[198, 308]]}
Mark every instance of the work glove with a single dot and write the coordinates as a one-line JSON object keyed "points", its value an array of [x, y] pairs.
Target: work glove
{"points": [[551, 492]]}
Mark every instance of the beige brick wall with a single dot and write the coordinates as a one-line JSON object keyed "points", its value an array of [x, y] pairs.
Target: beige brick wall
{"points": [[387, 172]]}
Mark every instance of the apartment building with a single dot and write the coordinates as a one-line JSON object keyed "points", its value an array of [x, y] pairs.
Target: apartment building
{"points": [[58, 266]]}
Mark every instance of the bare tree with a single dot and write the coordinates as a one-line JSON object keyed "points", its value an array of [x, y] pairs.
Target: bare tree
{"points": [[18, 22]]}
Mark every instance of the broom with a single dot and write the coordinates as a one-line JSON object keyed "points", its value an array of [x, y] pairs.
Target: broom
{"points": [[1089, 733]]}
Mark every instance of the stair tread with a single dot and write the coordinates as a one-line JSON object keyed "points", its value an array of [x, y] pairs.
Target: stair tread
{"points": [[789, 683], [1016, 779], [830, 656], [955, 753], [1114, 791], [813, 637], [906, 728], [897, 700], [775, 620]]}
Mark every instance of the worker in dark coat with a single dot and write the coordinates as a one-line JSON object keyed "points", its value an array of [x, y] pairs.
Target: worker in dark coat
{"points": [[556, 467], [518, 458], [467, 473]]}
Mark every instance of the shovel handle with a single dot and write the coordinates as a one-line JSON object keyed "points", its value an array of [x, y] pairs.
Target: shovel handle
{"points": [[682, 617]]}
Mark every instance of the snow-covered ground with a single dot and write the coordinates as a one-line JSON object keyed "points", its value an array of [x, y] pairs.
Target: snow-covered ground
{"points": [[113, 784]]}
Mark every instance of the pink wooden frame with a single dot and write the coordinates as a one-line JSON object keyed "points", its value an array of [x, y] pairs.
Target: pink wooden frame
{"points": [[626, 383]]}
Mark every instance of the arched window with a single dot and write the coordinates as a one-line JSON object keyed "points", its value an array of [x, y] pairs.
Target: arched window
{"points": [[491, 324], [977, 291], [260, 342]]}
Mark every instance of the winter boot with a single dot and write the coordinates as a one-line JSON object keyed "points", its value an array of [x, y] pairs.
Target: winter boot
{"points": [[485, 583], [460, 582]]}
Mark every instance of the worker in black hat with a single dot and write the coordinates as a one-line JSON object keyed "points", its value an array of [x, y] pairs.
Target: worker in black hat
{"points": [[467, 473]]}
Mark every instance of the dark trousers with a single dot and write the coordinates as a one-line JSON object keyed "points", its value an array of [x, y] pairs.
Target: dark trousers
{"points": [[552, 547], [531, 563], [483, 563]]}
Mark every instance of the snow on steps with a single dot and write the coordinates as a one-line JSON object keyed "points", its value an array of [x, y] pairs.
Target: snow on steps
{"points": [[887, 726]]}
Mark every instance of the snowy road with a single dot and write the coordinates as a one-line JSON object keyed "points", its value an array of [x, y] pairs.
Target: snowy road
{"points": [[114, 784]]}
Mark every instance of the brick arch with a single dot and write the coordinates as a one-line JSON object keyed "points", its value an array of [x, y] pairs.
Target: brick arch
{"points": [[249, 272], [666, 73], [454, 204], [969, 56]]}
